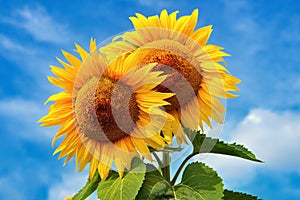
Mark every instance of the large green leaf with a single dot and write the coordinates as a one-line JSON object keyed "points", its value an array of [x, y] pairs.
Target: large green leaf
{"points": [[155, 186], [199, 182], [204, 144], [231, 195], [89, 188], [125, 188]]}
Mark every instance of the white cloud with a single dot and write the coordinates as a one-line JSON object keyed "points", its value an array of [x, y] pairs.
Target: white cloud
{"points": [[18, 52], [25, 114], [69, 185], [32, 58], [43, 27], [21, 107], [19, 182], [258, 45], [33, 63], [11, 45], [273, 136]]}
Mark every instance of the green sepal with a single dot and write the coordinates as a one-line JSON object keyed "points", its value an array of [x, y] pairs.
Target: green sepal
{"points": [[169, 149]]}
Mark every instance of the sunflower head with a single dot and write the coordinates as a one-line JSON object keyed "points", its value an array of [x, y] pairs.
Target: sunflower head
{"points": [[97, 102], [109, 112], [195, 68]]}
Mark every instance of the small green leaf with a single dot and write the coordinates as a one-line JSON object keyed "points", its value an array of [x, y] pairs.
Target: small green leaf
{"points": [[155, 186], [88, 189], [125, 188], [203, 144], [199, 182], [231, 195]]}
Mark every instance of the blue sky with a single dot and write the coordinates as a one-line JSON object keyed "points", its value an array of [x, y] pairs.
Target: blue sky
{"points": [[263, 38]]}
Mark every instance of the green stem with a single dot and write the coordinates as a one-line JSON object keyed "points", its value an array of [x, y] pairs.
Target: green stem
{"points": [[181, 167], [166, 163], [160, 164]]}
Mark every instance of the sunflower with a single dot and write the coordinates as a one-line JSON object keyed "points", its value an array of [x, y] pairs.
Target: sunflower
{"points": [[196, 73], [108, 112]]}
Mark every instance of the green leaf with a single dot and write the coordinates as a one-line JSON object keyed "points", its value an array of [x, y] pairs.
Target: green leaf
{"points": [[125, 188], [203, 144], [231, 195], [155, 186], [199, 182], [88, 189]]}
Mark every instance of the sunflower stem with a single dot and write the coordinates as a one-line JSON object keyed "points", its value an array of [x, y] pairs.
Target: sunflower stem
{"points": [[181, 167], [166, 163], [160, 164]]}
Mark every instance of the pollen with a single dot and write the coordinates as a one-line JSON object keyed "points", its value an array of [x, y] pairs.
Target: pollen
{"points": [[102, 112]]}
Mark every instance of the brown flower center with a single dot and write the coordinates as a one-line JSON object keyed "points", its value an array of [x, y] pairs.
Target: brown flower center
{"points": [[179, 63], [106, 110]]}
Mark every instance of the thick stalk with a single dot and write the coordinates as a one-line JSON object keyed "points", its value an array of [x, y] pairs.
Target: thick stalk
{"points": [[166, 163]]}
